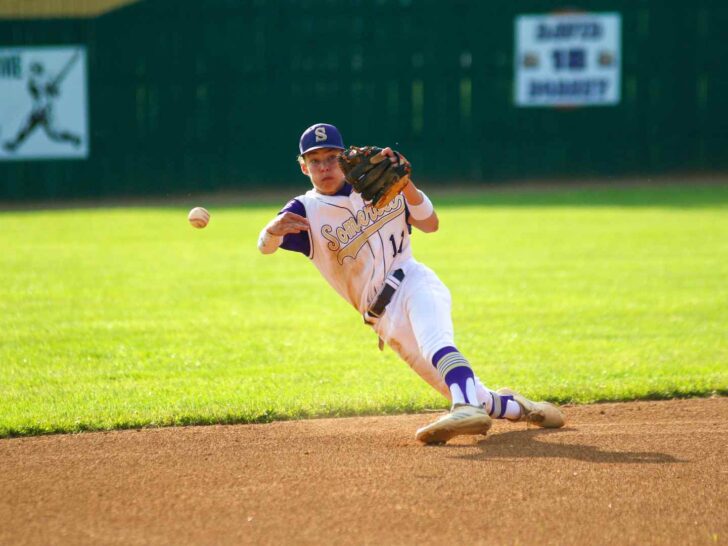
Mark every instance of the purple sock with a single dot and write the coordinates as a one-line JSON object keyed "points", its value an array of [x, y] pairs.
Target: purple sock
{"points": [[455, 370]]}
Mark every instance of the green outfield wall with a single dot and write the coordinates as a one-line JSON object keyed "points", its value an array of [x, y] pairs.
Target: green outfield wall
{"points": [[188, 96]]}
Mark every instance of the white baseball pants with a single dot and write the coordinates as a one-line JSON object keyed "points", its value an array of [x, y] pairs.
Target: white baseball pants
{"points": [[417, 322]]}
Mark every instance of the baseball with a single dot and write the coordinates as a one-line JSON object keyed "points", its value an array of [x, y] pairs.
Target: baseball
{"points": [[198, 217]]}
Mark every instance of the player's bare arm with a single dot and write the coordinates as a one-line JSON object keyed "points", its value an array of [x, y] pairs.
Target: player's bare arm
{"points": [[415, 198]]}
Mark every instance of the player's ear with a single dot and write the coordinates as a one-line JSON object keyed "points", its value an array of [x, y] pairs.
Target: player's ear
{"points": [[304, 167]]}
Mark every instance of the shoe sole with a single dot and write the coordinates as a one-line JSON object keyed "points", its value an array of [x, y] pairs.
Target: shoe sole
{"points": [[440, 433]]}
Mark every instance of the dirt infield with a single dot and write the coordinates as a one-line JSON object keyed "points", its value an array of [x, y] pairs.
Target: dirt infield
{"points": [[634, 473]]}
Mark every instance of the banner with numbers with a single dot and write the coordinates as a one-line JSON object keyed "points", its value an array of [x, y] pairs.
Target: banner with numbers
{"points": [[44, 107], [571, 59]]}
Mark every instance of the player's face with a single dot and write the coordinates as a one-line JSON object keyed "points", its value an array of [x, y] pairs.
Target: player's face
{"points": [[323, 169]]}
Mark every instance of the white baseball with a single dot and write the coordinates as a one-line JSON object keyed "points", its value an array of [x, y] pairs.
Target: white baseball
{"points": [[198, 217]]}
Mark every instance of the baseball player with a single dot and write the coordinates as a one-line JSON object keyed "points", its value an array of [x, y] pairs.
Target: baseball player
{"points": [[43, 89], [364, 253]]}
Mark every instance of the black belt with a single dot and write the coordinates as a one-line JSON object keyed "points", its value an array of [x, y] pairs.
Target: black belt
{"points": [[391, 284]]}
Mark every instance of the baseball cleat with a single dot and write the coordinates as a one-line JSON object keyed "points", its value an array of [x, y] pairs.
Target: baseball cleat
{"points": [[543, 414], [462, 419]]}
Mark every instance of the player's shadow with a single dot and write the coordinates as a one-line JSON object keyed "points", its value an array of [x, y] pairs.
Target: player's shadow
{"points": [[525, 444]]}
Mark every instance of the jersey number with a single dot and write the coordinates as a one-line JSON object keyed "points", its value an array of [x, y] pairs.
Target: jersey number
{"points": [[396, 250]]}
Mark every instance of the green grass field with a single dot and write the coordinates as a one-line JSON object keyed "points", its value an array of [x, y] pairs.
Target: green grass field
{"points": [[126, 317]]}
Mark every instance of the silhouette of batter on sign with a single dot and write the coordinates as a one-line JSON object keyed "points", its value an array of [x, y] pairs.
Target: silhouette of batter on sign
{"points": [[44, 90]]}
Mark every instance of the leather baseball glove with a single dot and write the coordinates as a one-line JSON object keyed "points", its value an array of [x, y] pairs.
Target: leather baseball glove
{"points": [[373, 174]]}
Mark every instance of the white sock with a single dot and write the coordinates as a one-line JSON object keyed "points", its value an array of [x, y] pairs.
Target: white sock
{"points": [[456, 394]]}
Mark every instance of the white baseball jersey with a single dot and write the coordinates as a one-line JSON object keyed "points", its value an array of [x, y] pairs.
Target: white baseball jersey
{"points": [[352, 244]]}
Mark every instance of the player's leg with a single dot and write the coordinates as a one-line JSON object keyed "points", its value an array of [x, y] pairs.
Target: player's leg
{"points": [[31, 123], [429, 311], [448, 371], [501, 404], [418, 326], [59, 136], [462, 418], [402, 341], [428, 308]]}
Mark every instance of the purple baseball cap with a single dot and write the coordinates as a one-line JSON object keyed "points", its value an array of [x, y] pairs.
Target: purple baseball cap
{"points": [[321, 135]]}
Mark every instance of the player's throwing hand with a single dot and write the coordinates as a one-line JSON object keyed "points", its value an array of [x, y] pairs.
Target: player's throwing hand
{"points": [[288, 222]]}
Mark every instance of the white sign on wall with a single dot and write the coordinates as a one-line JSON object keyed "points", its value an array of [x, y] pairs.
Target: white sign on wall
{"points": [[44, 106], [569, 59]]}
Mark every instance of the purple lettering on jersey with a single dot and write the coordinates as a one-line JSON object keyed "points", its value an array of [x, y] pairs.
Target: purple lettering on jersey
{"points": [[296, 242]]}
